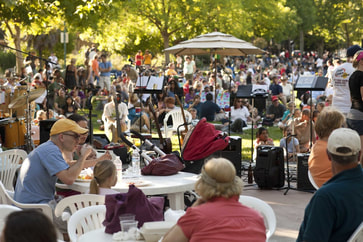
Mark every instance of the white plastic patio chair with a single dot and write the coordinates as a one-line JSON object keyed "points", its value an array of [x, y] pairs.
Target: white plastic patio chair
{"points": [[9, 163], [69, 205], [5, 210], [311, 179], [266, 211], [86, 220], [177, 117], [5, 198], [357, 235]]}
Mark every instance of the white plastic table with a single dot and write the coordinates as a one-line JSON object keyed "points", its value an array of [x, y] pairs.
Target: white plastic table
{"points": [[173, 186], [98, 235]]}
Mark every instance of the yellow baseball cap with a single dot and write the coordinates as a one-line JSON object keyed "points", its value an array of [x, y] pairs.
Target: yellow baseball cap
{"points": [[64, 125]]}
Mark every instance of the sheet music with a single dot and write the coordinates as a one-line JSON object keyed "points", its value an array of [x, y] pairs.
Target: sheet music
{"points": [[142, 82], [155, 83], [150, 82]]}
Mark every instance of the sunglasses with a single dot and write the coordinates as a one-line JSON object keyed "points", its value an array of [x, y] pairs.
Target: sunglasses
{"points": [[75, 136]]}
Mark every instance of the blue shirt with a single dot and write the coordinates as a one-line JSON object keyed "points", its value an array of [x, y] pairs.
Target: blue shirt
{"points": [[276, 89], [336, 209], [37, 177], [208, 110], [105, 65]]}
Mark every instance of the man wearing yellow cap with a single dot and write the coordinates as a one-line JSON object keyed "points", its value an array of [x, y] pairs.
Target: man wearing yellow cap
{"points": [[44, 165]]}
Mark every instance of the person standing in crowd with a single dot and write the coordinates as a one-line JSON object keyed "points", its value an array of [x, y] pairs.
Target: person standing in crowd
{"points": [[71, 75], [95, 71], [319, 165], [188, 69], [147, 59], [105, 70], [336, 210], [138, 59], [340, 81], [355, 115], [218, 215]]}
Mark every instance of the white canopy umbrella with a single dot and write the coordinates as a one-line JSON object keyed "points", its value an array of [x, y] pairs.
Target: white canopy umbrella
{"points": [[214, 43]]}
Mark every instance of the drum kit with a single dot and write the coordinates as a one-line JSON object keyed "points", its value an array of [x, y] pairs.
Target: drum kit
{"points": [[16, 112]]}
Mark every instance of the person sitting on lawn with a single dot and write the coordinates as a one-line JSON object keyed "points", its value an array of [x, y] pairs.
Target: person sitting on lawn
{"points": [[262, 138]]}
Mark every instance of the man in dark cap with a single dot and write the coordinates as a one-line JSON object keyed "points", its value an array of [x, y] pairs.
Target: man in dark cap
{"points": [[340, 82]]}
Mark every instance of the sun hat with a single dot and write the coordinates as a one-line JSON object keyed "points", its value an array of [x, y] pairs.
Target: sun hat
{"points": [[344, 138], [352, 50], [64, 125]]}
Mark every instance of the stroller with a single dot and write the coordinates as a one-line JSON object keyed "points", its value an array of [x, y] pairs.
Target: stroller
{"points": [[201, 142]]}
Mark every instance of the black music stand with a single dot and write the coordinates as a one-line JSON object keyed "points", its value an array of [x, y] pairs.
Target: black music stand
{"points": [[149, 85], [306, 83], [251, 92]]}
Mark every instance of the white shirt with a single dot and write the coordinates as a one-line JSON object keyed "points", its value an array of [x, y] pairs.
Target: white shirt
{"points": [[109, 111], [286, 89], [241, 113], [340, 82]]}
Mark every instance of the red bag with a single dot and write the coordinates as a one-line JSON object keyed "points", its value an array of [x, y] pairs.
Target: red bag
{"points": [[166, 165], [203, 141]]}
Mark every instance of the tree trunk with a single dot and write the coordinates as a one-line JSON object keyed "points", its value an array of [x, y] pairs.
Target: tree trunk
{"points": [[347, 34], [302, 42], [166, 45], [19, 56]]}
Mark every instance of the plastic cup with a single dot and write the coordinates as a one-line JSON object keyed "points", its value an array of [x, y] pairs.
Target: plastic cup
{"points": [[128, 225], [127, 217], [138, 109]]}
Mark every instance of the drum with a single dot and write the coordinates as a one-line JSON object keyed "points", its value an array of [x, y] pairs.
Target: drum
{"points": [[15, 133], [18, 92], [4, 100]]}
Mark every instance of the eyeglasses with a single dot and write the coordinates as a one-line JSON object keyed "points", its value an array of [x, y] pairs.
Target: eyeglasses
{"points": [[239, 101], [75, 136]]}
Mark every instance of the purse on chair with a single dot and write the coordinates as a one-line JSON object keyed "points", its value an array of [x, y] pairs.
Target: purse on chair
{"points": [[165, 165], [134, 202]]}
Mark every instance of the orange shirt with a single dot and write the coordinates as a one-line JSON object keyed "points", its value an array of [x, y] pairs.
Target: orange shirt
{"points": [[319, 163], [95, 67], [147, 59]]}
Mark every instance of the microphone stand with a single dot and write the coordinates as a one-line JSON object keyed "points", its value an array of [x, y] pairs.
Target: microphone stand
{"points": [[287, 162]]}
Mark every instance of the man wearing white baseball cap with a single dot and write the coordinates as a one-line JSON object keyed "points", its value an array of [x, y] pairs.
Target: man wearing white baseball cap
{"points": [[336, 209]]}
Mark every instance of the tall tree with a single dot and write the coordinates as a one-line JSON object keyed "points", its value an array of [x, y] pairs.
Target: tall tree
{"points": [[21, 17], [180, 20]]}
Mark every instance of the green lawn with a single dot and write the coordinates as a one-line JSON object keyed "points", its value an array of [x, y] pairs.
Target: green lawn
{"points": [[274, 133]]}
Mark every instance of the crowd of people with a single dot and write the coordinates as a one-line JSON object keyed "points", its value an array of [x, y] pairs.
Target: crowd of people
{"points": [[335, 151]]}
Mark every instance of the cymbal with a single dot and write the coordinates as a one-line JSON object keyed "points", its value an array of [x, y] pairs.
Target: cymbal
{"points": [[21, 100]]}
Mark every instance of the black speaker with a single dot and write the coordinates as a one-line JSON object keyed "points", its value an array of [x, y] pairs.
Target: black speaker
{"points": [[303, 182], [269, 171], [232, 153], [44, 129]]}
